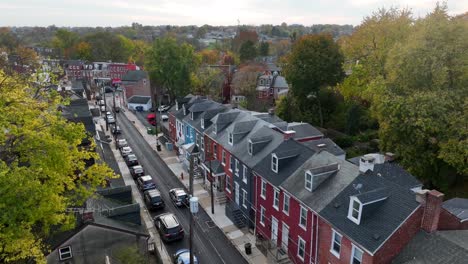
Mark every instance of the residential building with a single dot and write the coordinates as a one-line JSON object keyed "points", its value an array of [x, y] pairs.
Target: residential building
{"points": [[326, 144], [144, 102], [135, 83], [271, 87]]}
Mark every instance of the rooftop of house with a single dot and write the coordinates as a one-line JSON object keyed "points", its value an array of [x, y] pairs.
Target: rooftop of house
{"points": [[325, 144], [78, 111], [294, 153], [187, 104], [330, 175], [386, 203], [134, 76], [137, 99], [198, 110], [437, 247], [304, 130], [458, 207]]}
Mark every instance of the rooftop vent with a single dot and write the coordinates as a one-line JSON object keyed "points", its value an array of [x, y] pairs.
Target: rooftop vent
{"points": [[321, 145]]}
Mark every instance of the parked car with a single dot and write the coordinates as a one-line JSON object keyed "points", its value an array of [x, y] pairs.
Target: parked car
{"points": [[137, 171], [153, 199], [179, 197], [125, 151], [182, 256], [164, 118], [163, 108], [131, 160], [139, 108], [110, 120], [121, 143], [169, 227], [101, 102], [145, 183], [108, 89], [116, 130], [103, 108]]}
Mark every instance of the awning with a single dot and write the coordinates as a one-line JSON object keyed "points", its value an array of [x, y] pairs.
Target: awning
{"points": [[217, 168]]}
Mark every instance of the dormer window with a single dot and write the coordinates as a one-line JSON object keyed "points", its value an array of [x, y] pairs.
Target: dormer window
{"points": [[308, 181], [202, 123], [355, 210], [231, 138], [215, 129], [250, 147], [274, 163], [65, 253]]}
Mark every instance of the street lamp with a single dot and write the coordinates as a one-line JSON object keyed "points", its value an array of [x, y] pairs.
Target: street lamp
{"points": [[193, 210]]}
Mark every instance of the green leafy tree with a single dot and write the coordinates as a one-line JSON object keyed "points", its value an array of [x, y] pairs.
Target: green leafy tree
{"points": [[65, 41], [264, 49], [42, 169], [247, 51], [107, 46], [83, 51], [314, 63], [171, 66], [208, 81], [130, 255]]}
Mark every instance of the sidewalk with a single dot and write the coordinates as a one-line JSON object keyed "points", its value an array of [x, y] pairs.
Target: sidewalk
{"points": [[237, 236]]}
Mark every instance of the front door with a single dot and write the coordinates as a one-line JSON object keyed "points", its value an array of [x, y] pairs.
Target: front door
{"points": [[285, 237], [274, 231], [237, 193]]}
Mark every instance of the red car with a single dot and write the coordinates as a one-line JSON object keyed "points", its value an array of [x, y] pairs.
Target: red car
{"points": [[151, 118]]}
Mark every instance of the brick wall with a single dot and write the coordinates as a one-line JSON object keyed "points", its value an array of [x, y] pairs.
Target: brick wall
{"points": [[448, 221]]}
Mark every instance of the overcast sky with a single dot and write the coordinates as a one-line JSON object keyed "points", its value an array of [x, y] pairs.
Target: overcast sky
{"points": [[199, 12]]}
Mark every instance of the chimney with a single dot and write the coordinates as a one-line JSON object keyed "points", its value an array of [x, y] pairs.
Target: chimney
{"points": [[271, 111], [389, 156], [366, 163], [288, 134], [87, 217], [432, 206]]}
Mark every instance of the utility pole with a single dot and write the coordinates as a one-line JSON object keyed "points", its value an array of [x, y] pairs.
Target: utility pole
{"points": [[193, 159], [193, 210], [211, 180], [105, 105]]}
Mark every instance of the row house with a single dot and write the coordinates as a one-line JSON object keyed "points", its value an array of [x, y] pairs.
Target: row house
{"points": [[182, 133], [271, 87], [173, 123]]}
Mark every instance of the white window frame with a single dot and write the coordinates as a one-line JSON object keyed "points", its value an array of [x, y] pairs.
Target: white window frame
{"points": [[223, 158], [263, 189], [300, 242], [274, 165], [237, 167], [231, 161], [303, 209], [230, 138], [244, 174], [244, 198], [353, 251], [202, 123], [351, 209], [286, 200], [191, 115], [332, 249], [215, 151], [62, 253], [202, 142], [197, 139], [276, 195], [250, 147], [308, 181], [262, 215], [228, 184]]}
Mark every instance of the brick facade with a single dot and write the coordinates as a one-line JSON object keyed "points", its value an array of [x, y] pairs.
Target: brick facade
{"points": [[448, 221]]}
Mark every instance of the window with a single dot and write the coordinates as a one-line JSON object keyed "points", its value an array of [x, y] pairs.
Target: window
{"points": [[274, 163], [191, 115], [202, 139], [215, 150], [263, 194], [231, 138], [237, 168], [336, 244], [262, 215], [308, 181], [354, 211], [303, 218], [224, 157], [228, 184], [250, 147], [276, 199], [202, 123], [231, 165], [197, 140], [356, 256], [65, 253], [301, 248], [244, 174], [244, 198], [286, 203]]}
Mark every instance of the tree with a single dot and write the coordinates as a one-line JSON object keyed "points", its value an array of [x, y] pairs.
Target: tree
{"points": [[42, 169], [130, 255], [247, 51], [171, 66], [208, 81], [244, 83], [140, 48], [107, 46], [314, 63], [83, 51], [209, 56], [8, 40], [64, 41], [264, 49]]}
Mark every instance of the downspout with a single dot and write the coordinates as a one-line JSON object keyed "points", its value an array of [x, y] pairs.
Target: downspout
{"points": [[316, 240]]}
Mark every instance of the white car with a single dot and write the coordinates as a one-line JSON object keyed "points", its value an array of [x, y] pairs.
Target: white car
{"points": [[121, 143], [164, 118], [163, 108], [125, 151], [110, 120]]}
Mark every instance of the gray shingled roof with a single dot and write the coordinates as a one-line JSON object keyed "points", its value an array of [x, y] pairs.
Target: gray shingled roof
{"points": [[380, 221], [330, 146], [137, 99], [304, 130], [280, 82], [328, 189], [285, 169], [372, 196], [134, 76], [458, 207], [243, 127], [449, 247]]}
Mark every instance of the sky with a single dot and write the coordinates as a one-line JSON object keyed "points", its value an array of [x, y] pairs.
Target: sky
{"points": [[199, 12]]}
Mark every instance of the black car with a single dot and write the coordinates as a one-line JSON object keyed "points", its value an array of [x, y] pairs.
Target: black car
{"points": [[153, 199], [137, 171], [116, 130], [179, 197], [131, 160], [108, 89], [169, 227], [145, 183]]}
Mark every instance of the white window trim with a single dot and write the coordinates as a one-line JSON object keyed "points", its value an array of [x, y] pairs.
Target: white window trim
{"points": [[237, 167], [286, 198], [352, 200], [231, 161], [230, 138], [244, 198], [276, 193], [202, 142], [215, 151], [202, 123], [298, 247], [223, 157], [300, 217], [60, 253], [250, 147], [273, 156], [262, 215], [228, 179], [244, 174], [307, 173], [354, 251], [263, 195], [191, 115], [332, 250]]}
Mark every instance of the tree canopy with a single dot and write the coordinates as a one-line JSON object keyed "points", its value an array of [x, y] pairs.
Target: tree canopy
{"points": [[247, 51]]}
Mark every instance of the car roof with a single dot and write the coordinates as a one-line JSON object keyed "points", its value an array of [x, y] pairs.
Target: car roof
{"points": [[153, 193], [146, 178], [127, 147], [137, 167], [131, 156], [180, 191], [122, 140], [169, 220]]}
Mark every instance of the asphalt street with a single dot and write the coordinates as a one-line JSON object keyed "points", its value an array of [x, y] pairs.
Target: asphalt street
{"points": [[210, 243]]}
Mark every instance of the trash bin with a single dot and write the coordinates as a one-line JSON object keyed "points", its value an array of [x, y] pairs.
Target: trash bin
{"points": [[150, 130], [248, 248], [158, 147], [169, 146]]}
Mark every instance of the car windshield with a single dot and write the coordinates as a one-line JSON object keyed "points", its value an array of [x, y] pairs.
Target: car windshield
{"points": [[156, 199], [173, 229], [147, 182], [138, 170], [182, 197]]}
